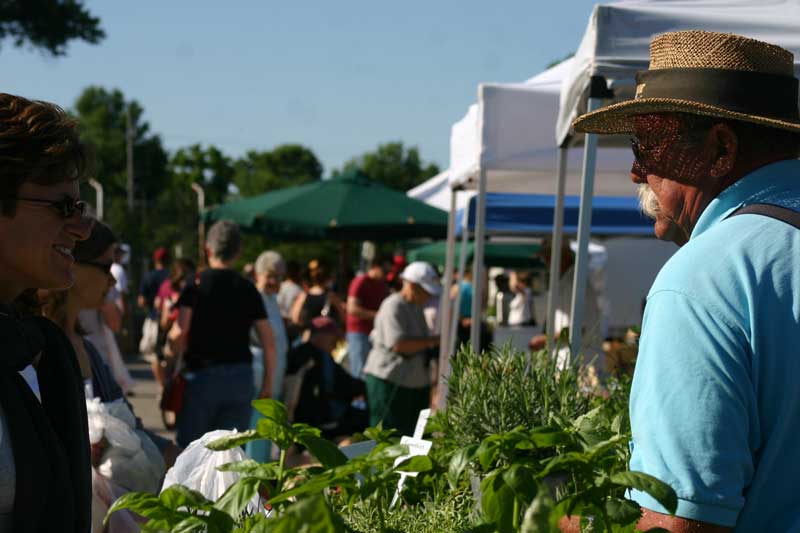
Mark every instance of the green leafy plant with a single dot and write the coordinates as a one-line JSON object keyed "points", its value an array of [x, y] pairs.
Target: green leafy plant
{"points": [[267, 480], [499, 390], [522, 445]]}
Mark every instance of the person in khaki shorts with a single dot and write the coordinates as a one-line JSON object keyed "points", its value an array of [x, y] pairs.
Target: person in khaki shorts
{"points": [[396, 373]]}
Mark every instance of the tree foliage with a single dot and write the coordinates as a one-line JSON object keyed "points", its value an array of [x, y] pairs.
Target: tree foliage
{"points": [[286, 165], [393, 165], [207, 166], [48, 25]]}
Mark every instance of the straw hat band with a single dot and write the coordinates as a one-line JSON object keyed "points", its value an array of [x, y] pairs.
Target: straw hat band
{"points": [[709, 74], [735, 90]]}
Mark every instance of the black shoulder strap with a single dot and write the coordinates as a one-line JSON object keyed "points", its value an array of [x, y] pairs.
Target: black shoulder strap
{"points": [[772, 211]]}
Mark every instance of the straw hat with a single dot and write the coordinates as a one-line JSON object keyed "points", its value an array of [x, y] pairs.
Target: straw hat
{"points": [[712, 74]]}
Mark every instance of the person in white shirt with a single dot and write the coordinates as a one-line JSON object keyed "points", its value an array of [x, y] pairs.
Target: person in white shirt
{"points": [[520, 312], [592, 328]]}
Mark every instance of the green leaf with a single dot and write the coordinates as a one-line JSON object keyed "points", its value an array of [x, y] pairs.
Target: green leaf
{"points": [[497, 501], [417, 463], [272, 409], [602, 447], [487, 452], [142, 503], [312, 486], [278, 433], [656, 488], [177, 496], [487, 527], [304, 430], [548, 436], [616, 424], [250, 468], [459, 463], [570, 506], [522, 481], [326, 452], [238, 495], [536, 519], [378, 434], [387, 453], [308, 515], [234, 440], [189, 525], [588, 420], [569, 462], [623, 511]]}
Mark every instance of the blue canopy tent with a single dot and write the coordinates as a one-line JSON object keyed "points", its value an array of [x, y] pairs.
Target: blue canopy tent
{"points": [[532, 214], [516, 214]]}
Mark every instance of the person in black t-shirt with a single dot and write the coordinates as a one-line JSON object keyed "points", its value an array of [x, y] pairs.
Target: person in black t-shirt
{"points": [[214, 321]]}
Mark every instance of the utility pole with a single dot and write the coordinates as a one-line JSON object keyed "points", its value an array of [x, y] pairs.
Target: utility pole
{"points": [[129, 134], [201, 226], [98, 189]]}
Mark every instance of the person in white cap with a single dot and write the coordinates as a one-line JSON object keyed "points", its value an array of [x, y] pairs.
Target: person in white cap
{"points": [[397, 375]]}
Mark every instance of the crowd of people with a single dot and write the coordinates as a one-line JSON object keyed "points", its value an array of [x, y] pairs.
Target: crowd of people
{"points": [[713, 406]]}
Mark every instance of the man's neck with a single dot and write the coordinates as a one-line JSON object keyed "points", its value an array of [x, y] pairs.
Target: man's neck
{"points": [[699, 202], [214, 262]]}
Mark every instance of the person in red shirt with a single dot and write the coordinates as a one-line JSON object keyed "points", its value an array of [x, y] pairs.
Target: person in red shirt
{"points": [[364, 297]]}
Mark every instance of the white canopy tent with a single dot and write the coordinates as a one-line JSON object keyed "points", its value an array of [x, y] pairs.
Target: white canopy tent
{"points": [[616, 46], [506, 138]]}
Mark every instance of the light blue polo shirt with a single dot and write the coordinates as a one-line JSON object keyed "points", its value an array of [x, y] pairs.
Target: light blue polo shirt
{"points": [[715, 406]]}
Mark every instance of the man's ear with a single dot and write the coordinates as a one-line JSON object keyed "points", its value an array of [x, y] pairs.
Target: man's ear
{"points": [[725, 146]]}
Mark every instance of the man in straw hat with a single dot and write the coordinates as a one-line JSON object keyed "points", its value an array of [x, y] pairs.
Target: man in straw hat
{"points": [[715, 407]]}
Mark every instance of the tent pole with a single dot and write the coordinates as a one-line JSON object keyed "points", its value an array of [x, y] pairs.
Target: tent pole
{"points": [[462, 267], [444, 305], [584, 231], [555, 246], [477, 262]]}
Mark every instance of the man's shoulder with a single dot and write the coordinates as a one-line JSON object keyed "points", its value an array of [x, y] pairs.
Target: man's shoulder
{"points": [[734, 249], [357, 283], [391, 303]]}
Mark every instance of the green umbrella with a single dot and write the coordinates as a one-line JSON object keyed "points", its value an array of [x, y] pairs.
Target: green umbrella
{"points": [[509, 255], [347, 207]]}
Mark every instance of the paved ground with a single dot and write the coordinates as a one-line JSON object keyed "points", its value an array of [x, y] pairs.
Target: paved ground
{"points": [[144, 399]]}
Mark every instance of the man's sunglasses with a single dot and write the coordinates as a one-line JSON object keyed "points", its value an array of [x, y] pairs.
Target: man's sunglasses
{"points": [[103, 267], [66, 207]]}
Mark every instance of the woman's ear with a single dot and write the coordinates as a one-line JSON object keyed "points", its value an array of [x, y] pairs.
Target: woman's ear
{"points": [[726, 146]]}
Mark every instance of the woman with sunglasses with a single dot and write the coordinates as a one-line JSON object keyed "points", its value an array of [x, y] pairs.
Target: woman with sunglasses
{"points": [[93, 259], [45, 475], [93, 279]]}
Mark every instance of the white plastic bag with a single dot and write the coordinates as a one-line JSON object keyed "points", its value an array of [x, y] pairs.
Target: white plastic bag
{"points": [[196, 468], [130, 460]]}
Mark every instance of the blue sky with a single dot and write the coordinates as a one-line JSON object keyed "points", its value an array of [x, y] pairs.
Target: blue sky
{"points": [[339, 77]]}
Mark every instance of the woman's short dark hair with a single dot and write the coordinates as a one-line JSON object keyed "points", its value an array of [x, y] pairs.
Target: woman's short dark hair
{"points": [[39, 143], [318, 272], [100, 240]]}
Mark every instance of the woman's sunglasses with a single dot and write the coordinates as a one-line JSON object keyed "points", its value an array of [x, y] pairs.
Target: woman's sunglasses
{"points": [[66, 207]]}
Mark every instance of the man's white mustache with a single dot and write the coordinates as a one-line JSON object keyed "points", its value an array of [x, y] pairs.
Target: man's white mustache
{"points": [[648, 201]]}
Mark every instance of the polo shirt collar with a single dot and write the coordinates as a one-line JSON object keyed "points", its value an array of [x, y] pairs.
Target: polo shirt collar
{"points": [[753, 188]]}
